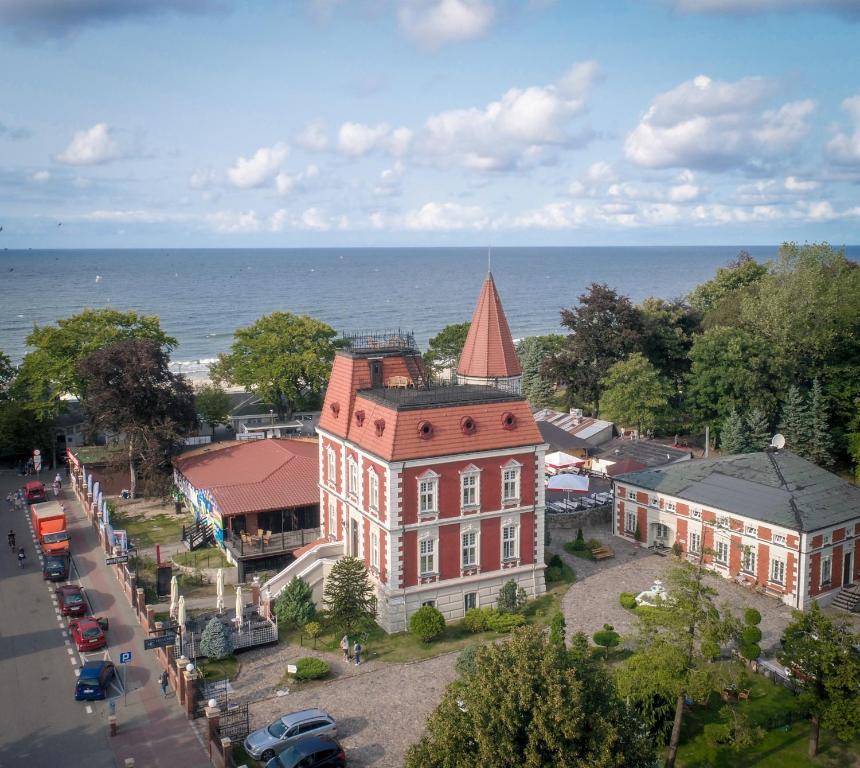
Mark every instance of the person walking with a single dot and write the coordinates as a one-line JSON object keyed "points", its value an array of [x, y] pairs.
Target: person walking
{"points": [[344, 646], [164, 681], [22, 555], [356, 652], [11, 538]]}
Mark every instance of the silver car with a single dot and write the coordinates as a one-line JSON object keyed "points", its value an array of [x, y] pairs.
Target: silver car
{"points": [[265, 743]]}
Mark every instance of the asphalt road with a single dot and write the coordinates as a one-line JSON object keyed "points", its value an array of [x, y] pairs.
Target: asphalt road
{"points": [[42, 724]]}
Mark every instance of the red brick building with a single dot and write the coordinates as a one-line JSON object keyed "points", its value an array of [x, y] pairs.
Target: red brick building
{"points": [[771, 519], [439, 490]]}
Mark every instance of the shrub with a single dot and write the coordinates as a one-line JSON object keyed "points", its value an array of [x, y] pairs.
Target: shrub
{"points": [[555, 562], [627, 600], [580, 540], [313, 629], [750, 635], [750, 651], [593, 544], [637, 533], [553, 574], [427, 622], [752, 617], [511, 598], [711, 649], [465, 663], [676, 549], [606, 638], [311, 668], [557, 628], [216, 642], [505, 622], [475, 619]]}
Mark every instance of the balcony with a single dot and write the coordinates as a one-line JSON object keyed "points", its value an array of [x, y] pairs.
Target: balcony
{"points": [[268, 544]]}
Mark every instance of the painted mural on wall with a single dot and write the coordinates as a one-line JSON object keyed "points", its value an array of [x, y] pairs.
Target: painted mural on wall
{"points": [[203, 506]]}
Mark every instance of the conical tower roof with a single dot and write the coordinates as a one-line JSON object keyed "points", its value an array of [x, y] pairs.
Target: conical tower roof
{"points": [[489, 349]]}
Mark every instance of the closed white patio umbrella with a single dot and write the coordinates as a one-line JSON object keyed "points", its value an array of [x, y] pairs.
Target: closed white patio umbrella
{"points": [[174, 595], [180, 617], [239, 606], [219, 586]]}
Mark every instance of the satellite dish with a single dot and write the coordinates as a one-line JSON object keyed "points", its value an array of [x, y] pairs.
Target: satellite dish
{"points": [[778, 441]]}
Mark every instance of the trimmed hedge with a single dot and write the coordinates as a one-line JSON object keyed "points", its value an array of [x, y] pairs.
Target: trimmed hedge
{"points": [[475, 619], [750, 651], [427, 622], [482, 619], [627, 600], [750, 636], [752, 616], [505, 622], [311, 668]]}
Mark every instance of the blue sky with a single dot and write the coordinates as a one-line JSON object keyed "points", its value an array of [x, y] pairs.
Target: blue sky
{"points": [[181, 123]]}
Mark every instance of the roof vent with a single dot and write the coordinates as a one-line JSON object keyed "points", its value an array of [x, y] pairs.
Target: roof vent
{"points": [[359, 418], [335, 408], [380, 427], [425, 430], [509, 421], [468, 425]]}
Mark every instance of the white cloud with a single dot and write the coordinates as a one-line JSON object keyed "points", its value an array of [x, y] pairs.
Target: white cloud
{"points": [[844, 147], [357, 139], [92, 146], [514, 128], [446, 217], [203, 178], [389, 180], [315, 219], [793, 184], [684, 193], [433, 23], [715, 125], [286, 184], [255, 171], [313, 137], [230, 222], [40, 177], [131, 216]]}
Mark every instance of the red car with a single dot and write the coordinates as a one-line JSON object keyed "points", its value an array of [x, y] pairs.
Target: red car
{"points": [[87, 634], [71, 600]]}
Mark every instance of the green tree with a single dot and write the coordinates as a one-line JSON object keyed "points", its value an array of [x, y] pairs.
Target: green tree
{"points": [[676, 647], [604, 328], [820, 441], [606, 638], [634, 394], [52, 369], [7, 375], [667, 337], [213, 405], [216, 641], [529, 703], [734, 436], [427, 623], [131, 392], [536, 353], [295, 605], [557, 629], [511, 598], [758, 430], [444, 350], [730, 368], [822, 652], [716, 296], [348, 596], [796, 422], [284, 358], [313, 629]]}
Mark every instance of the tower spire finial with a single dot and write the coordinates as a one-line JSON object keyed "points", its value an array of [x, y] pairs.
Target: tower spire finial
{"points": [[489, 260]]}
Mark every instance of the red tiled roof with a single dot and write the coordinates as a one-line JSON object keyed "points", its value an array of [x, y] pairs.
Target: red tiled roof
{"points": [[256, 476], [489, 349]]}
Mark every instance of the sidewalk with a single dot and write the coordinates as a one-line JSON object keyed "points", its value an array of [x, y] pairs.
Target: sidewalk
{"points": [[151, 729]]}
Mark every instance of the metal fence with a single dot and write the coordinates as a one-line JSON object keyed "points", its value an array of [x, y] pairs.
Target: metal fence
{"points": [[253, 632]]}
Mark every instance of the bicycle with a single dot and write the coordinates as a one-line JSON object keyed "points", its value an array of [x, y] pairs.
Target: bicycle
{"points": [[22, 556]]}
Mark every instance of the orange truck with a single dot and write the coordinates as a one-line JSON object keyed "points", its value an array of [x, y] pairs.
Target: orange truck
{"points": [[49, 525]]}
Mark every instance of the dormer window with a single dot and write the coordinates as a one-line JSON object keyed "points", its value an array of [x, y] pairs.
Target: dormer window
{"points": [[751, 530], [670, 506], [696, 513]]}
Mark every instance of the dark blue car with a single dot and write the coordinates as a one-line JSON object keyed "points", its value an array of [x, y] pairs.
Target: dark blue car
{"points": [[94, 680]]}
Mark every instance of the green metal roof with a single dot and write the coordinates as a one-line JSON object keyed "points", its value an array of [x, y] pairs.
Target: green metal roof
{"points": [[775, 487]]}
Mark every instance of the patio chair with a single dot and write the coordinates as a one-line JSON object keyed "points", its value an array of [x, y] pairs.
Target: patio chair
{"points": [[744, 694], [259, 533], [267, 536]]}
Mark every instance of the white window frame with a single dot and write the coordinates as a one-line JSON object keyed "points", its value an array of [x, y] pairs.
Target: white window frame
{"points": [[696, 513], [510, 542], [352, 477], [723, 521], [372, 489], [332, 516], [722, 546], [631, 495], [828, 561], [515, 468], [630, 516], [748, 560], [427, 556], [430, 493], [654, 500], [826, 539], [466, 596], [751, 530], [671, 506], [777, 570], [470, 480], [695, 543], [374, 550], [779, 538], [472, 547], [332, 468]]}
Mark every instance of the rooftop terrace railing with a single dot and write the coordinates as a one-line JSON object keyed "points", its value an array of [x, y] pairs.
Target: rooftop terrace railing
{"points": [[380, 341]]}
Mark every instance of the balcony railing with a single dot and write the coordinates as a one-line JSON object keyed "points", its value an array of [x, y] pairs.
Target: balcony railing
{"points": [[255, 545]]}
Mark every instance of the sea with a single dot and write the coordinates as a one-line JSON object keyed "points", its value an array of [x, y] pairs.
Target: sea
{"points": [[203, 295]]}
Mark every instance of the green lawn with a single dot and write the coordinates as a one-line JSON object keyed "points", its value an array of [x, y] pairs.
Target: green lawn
{"points": [[785, 739], [218, 669], [208, 557], [570, 548], [145, 532]]}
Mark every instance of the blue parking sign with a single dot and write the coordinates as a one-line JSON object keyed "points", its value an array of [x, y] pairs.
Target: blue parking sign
{"points": [[125, 657]]}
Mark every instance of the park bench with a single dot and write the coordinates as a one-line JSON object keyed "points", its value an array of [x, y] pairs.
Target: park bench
{"points": [[602, 553]]}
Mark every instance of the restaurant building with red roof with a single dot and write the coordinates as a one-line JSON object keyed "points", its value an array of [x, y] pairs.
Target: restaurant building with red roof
{"points": [[259, 499], [438, 489]]}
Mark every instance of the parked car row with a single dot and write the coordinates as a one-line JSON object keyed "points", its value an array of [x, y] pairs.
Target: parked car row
{"points": [[304, 739]]}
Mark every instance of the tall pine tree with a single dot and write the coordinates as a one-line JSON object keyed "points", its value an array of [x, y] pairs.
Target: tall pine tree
{"points": [[820, 441], [733, 436], [795, 424], [537, 385], [758, 430]]}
